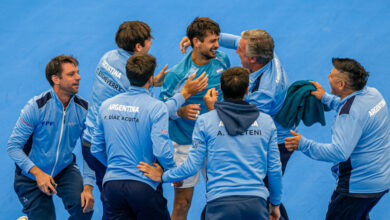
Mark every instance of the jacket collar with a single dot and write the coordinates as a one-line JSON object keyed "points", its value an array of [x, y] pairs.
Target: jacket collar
{"points": [[253, 76], [58, 101], [364, 90], [124, 52], [138, 90]]}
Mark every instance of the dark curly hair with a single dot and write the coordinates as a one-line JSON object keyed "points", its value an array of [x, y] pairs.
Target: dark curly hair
{"points": [[200, 27], [357, 75]]}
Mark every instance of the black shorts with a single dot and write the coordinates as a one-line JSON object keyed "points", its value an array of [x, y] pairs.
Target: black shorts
{"points": [[130, 199], [343, 207], [237, 207]]}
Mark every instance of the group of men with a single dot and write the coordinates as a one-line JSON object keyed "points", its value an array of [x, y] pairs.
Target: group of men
{"points": [[220, 121]]}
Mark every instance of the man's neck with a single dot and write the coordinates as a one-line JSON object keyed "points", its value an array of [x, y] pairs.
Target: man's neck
{"points": [[255, 67], [63, 97], [346, 93], [146, 86], [198, 58]]}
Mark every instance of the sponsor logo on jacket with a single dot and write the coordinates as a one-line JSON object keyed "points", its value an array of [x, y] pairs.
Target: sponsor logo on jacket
{"points": [[47, 123]]}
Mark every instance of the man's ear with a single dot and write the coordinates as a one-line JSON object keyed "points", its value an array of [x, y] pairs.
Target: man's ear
{"points": [[252, 59], [195, 42], [247, 90], [342, 84], [55, 79], [138, 47]]}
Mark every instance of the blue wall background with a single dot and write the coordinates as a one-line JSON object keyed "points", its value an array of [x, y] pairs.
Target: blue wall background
{"points": [[307, 35]]}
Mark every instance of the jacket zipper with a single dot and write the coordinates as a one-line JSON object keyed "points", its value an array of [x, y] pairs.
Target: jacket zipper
{"points": [[59, 142]]}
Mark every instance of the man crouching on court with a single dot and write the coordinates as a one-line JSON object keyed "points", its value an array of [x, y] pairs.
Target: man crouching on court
{"points": [[42, 143]]}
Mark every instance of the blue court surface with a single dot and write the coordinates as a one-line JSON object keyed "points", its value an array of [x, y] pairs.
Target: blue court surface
{"points": [[307, 35]]}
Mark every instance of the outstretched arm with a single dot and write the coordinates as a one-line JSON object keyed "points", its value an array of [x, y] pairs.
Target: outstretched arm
{"points": [[346, 134]]}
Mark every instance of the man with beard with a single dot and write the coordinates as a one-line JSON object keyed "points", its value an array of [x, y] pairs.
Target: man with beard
{"points": [[203, 34], [42, 143], [268, 82]]}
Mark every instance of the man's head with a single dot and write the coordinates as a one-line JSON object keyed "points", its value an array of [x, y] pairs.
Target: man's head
{"points": [[134, 36], [204, 35], [235, 83], [140, 69], [347, 76], [255, 47], [63, 74]]}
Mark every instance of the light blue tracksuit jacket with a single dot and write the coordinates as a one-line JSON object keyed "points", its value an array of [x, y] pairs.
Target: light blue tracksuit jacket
{"points": [[54, 133], [360, 147], [132, 127], [240, 148]]}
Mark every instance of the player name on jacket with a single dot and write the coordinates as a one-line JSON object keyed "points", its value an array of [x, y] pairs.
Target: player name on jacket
{"points": [[247, 132], [109, 82], [123, 108], [123, 118]]}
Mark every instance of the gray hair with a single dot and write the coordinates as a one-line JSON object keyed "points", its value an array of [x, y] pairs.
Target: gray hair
{"points": [[259, 44]]}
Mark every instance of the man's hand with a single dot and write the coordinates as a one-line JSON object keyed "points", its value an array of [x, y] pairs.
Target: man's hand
{"points": [[152, 172], [274, 212], [192, 87], [45, 182], [87, 200], [319, 93], [184, 44], [210, 98], [159, 79], [292, 143], [189, 112]]}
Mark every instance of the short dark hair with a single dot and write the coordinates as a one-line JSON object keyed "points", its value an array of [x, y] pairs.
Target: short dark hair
{"points": [[54, 67], [200, 27], [259, 44], [356, 74], [132, 32], [139, 68], [234, 83]]}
